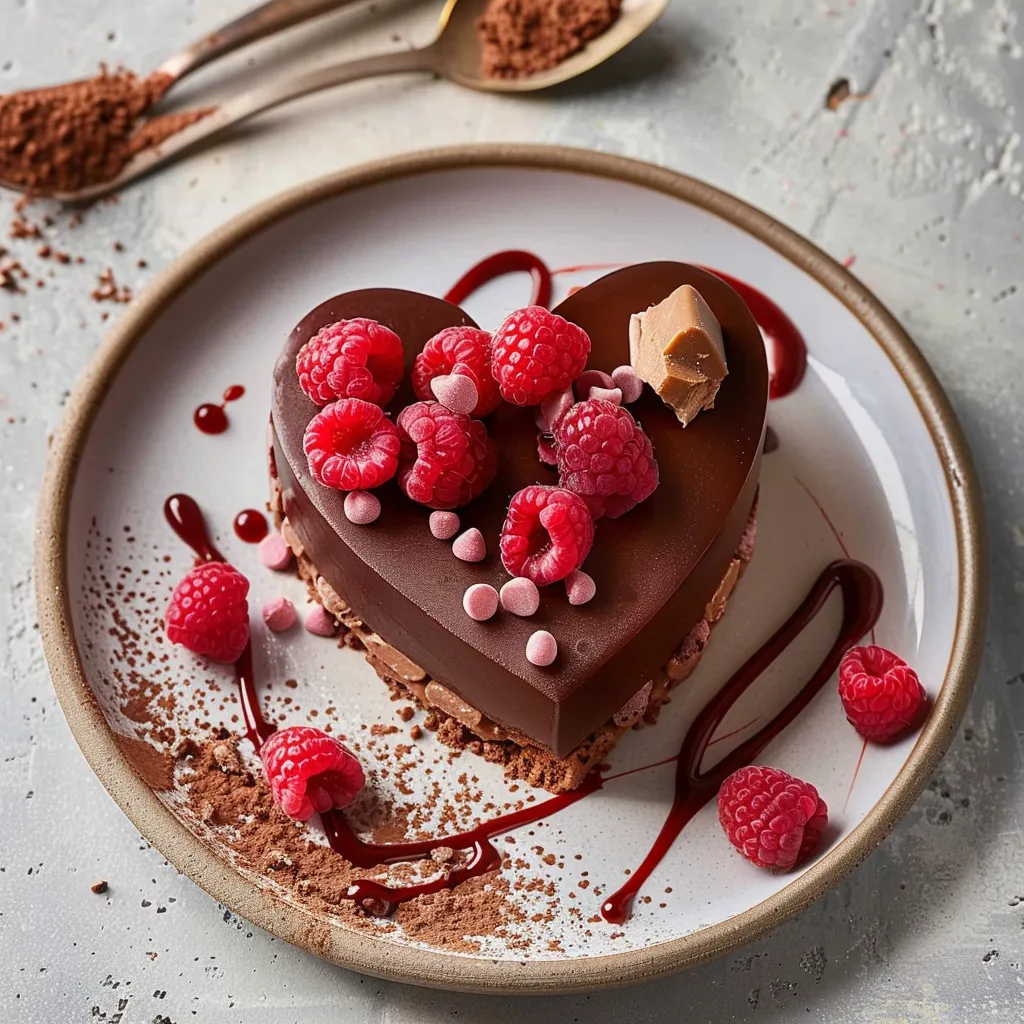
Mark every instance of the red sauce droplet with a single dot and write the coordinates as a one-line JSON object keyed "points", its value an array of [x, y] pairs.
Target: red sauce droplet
{"points": [[210, 418], [251, 525], [233, 393], [508, 262]]}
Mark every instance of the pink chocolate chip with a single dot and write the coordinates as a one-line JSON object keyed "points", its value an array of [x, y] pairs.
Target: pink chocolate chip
{"points": [[444, 525], [470, 546], [613, 395], [319, 621], [628, 382], [274, 552], [455, 391], [553, 408], [592, 379], [361, 507], [279, 614], [541, 648], [520, 596], [480, 601], [580, 587]]}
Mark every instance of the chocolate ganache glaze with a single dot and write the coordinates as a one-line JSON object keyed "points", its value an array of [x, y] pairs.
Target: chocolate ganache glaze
{"points": [[655, 567]]}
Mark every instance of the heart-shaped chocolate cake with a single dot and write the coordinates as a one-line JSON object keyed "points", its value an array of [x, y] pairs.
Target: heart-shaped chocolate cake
{"points": [[663, 570]]}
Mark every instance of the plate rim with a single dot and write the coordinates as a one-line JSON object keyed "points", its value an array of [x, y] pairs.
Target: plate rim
{"points": [[379, 956]]}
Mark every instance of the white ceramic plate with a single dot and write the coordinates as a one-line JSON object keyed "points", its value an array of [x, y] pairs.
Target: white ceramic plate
{"points": [[870, 462]]}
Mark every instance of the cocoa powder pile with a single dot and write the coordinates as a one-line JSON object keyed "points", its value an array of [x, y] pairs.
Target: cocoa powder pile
{"points": [[518, 38], [71, 136]]}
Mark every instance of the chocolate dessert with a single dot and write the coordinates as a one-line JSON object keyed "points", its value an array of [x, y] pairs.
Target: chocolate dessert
{"points": [[663, 572]]}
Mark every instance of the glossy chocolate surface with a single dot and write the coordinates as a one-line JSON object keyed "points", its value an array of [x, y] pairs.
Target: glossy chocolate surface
{"points": [[655, 568]]}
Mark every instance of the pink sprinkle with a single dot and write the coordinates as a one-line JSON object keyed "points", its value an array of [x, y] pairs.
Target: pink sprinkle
{"points": [[628, 382], [455, 391], [319, 621], [470, 546], [274, 552], [592, 379], [520, 597], [546, 451], [541, 648], [613, 395], [444, 525], [480, 601], [361, 507], [553, 408], [580, 587], [279, 614]]}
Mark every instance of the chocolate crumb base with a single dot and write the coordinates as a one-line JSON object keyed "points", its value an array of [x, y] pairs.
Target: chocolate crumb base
{"points": [[460, 726]]}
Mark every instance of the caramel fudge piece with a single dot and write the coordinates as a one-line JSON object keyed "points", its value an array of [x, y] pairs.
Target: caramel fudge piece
{"points": [[676, 347]]}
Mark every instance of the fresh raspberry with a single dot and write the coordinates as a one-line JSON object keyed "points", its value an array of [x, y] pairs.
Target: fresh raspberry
{"points": [[771, 817], [351, 445], [547, 534], [447, 459], [605, 457], [881, 694], [351, 359], [309, 771], [465, 350], [208, 612], [536, 352]]}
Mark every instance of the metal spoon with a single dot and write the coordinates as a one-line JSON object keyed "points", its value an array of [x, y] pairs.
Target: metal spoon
{"points": [[454, 54]]}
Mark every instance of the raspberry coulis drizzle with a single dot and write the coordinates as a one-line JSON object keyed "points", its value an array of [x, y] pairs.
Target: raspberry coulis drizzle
{"points": [[788, 346], [186, 519], [211, 418], [251, 525]]}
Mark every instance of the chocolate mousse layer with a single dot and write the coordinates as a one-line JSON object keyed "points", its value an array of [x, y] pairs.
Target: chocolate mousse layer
{"points": [[656, 567]]}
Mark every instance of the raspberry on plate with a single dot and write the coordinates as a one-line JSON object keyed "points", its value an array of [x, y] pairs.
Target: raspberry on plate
{"points": [[310, 772], [605, 457], [536, 352], [881, 694], [351, 445], [351, 359], [447, 459], [209, 613], [773, 818], [458, 350], [548, 532]]}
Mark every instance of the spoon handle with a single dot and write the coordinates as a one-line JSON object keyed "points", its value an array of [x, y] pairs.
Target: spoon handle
{"points": [[257, 24], [255, 101]]}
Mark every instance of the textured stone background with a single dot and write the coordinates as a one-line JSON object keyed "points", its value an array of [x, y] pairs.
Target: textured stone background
{"points": [[920, 182]]}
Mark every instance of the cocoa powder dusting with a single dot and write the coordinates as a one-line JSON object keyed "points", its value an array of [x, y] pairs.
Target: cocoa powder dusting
{"points": [[518, 38], [155, 766], [68, 137]]}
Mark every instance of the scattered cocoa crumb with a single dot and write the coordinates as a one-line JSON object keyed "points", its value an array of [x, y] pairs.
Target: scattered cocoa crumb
{"points": [[407, 713], [108, 290], [99, 887], [518, 38], [416, 732], [839, 92]]}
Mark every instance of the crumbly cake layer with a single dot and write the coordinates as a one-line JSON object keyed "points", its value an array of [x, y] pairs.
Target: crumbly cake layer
{"points": [[461, 726]]}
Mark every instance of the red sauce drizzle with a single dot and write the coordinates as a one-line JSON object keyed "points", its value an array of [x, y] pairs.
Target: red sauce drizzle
{"points": [[508, 262], [787, 342], [186, 520], [251, 525], [213, 419]]}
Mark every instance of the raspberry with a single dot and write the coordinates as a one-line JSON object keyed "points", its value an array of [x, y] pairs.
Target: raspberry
{"points": [[774, 819], [605, 457], [309, 771], [881, 694], [351, 359], [447, 459], [351, 445], [465, 350], [547, 534], [208, 612], [536, 352]]}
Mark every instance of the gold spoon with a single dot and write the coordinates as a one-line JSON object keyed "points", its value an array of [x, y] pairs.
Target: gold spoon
{"points": [[454, 54]]}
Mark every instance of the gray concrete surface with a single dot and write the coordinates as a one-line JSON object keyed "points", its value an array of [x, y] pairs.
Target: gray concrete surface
{"points": [[919, 182]]}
